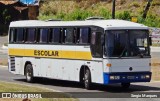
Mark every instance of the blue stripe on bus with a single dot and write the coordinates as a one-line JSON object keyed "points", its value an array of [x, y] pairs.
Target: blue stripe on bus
{"points": [[126, 77]]}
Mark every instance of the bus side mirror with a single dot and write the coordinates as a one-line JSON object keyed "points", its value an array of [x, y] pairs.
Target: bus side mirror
{"points": [[150, 41]]}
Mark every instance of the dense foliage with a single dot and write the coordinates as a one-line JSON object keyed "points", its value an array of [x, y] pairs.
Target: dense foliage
{"points": [[80, 10]]}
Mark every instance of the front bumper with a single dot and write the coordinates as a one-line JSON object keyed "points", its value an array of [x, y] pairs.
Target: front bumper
{"points": [[126, 77]]}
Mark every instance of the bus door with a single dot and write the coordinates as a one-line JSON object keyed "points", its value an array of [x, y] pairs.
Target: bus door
{"points": [[97, 54]]}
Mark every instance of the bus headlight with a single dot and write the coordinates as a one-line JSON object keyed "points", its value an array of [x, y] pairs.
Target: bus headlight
{"points": [[147, 76]]}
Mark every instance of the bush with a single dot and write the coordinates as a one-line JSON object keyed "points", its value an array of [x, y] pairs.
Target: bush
{"points": [[151, 20], [125, 15], [104, 13]]}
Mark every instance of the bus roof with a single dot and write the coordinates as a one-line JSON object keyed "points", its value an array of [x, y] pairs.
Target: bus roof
{"points": [[106, 24]]}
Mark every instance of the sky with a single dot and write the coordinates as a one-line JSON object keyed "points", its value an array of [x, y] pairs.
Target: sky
{"points": [[29, 1]]}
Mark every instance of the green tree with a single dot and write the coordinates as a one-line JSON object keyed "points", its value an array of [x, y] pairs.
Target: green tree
{"points": [[6, 16]]}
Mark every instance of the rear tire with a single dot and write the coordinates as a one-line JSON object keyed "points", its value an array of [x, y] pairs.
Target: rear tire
{"points": [[29, 73], [125, 85], [87, 79]]}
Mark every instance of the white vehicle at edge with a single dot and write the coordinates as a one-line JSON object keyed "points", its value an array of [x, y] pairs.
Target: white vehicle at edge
{"points": [[91, 51]]}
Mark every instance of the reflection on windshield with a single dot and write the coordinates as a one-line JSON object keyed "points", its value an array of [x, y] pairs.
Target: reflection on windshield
{"points": [[126, 43]]}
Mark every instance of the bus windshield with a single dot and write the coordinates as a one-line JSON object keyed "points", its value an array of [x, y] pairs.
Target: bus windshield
{"points": [[126, 43]]}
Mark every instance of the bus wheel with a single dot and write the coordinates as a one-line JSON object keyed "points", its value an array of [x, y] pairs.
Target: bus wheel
{"points": [[87, 79], [125, 85], [29, 73]]}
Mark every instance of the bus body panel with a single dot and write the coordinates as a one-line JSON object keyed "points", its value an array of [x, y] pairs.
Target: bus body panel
{"points": [[57, 68], [106, 69], [127, 70], [96, 71], [130, 65]]}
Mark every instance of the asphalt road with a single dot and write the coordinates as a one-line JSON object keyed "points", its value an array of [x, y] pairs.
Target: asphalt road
{"points": [[75, 88], [3, 39], [155, 55]]}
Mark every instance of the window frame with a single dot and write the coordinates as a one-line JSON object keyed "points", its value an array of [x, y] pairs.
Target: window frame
{"points": [[13, 35], [63, 38], [35, 35], [93, 45], [128, 42], [78, 36], [22, 36], [50, 35], [38, 35]]}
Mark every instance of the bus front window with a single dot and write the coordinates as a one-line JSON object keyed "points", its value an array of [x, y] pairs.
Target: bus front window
{"points": [[126, 43]]}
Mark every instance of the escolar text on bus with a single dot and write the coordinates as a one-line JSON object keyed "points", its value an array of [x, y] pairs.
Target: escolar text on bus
{"points": [[45, 53]]}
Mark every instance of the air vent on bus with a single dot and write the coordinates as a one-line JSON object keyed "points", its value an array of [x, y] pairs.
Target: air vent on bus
{"points": [[54, 20], [95, 18], [12, 63]]}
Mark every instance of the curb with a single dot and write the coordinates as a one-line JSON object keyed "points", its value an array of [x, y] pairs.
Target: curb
{"points": [[4, 47], [155, 49], [3, 66], [154, 81]]}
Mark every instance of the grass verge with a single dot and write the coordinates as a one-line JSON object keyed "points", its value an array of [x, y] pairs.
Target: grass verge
{"points": [[11, 87]]}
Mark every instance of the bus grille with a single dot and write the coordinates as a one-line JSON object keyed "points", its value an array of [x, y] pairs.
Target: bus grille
{"points": [[12, 63]]}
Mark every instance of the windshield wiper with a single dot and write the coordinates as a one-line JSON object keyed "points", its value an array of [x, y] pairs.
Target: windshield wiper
{"points": [[122, 52]]}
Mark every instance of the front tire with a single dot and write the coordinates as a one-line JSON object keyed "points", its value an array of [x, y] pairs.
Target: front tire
{"points": [[29, 73], [87, 79]]}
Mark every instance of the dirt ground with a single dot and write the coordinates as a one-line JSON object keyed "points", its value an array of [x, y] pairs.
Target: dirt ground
{"points": [[155, 63]]}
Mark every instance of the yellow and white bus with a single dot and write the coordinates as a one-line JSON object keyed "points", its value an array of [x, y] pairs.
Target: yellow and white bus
{"points": [[90, 51]]}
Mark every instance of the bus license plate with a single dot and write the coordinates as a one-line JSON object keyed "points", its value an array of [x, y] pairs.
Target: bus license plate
{"points": [[130, 77]]}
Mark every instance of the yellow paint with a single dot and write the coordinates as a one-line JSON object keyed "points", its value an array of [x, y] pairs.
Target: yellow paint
{"points": [[61, 54]]}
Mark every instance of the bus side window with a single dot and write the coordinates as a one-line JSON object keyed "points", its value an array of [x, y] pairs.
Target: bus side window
{"points": [[19, 35], [43, 35], [84, 35], [69, 35], [31, 35], [12, 36], [55, 35]]}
